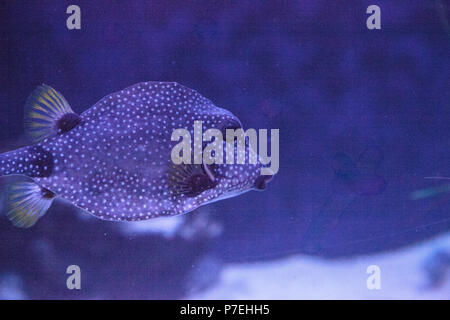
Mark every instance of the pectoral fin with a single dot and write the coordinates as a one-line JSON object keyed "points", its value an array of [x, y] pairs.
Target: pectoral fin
{"points": [[190, 179]]}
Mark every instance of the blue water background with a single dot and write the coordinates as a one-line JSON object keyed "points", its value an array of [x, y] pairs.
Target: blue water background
{"points": [[363, 118]]}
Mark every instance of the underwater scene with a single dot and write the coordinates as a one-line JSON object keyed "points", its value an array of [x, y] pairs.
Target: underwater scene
{"points": [[118, 180]]}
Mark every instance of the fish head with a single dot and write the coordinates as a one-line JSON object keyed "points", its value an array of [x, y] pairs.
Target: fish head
{"points": [[243, 174], [194, 184], [241, 170], [238, 171]]}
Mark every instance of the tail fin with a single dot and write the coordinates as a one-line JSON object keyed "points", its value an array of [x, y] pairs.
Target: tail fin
{"points": [[47, 114], [26, 202]]}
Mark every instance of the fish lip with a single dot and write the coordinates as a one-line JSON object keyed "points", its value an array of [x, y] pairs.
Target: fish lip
{"points": [[261, 182]]}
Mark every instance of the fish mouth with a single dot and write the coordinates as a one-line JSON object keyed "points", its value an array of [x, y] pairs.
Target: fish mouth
{"points": [[261, 182]]}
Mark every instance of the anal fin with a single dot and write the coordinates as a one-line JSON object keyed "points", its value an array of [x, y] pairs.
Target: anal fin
{"points": [[26, 202], [47, 114]]}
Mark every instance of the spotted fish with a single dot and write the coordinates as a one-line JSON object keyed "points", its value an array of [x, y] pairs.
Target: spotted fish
{"points": [[114, 160]]}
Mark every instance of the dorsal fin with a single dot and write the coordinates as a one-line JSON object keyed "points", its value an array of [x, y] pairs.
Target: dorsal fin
{"points": [[47, 113]]}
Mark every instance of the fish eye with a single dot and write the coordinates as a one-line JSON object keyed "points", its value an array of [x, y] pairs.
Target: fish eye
{"points": [[230, 124], [232, 127]]}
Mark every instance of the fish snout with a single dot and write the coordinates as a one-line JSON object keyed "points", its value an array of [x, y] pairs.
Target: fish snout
{"points": [[261, 182]]}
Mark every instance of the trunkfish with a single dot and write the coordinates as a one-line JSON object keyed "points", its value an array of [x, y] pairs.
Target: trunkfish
{"points": [[114, 160]]}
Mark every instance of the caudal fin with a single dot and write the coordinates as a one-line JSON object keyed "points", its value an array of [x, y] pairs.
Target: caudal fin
{"points": [[26, 202]]}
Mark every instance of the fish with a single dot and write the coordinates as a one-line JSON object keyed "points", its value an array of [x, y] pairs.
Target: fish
{"points": [[114, 160]]}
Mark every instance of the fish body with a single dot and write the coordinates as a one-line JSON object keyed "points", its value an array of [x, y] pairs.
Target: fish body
{"points": [[114, 160]]}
